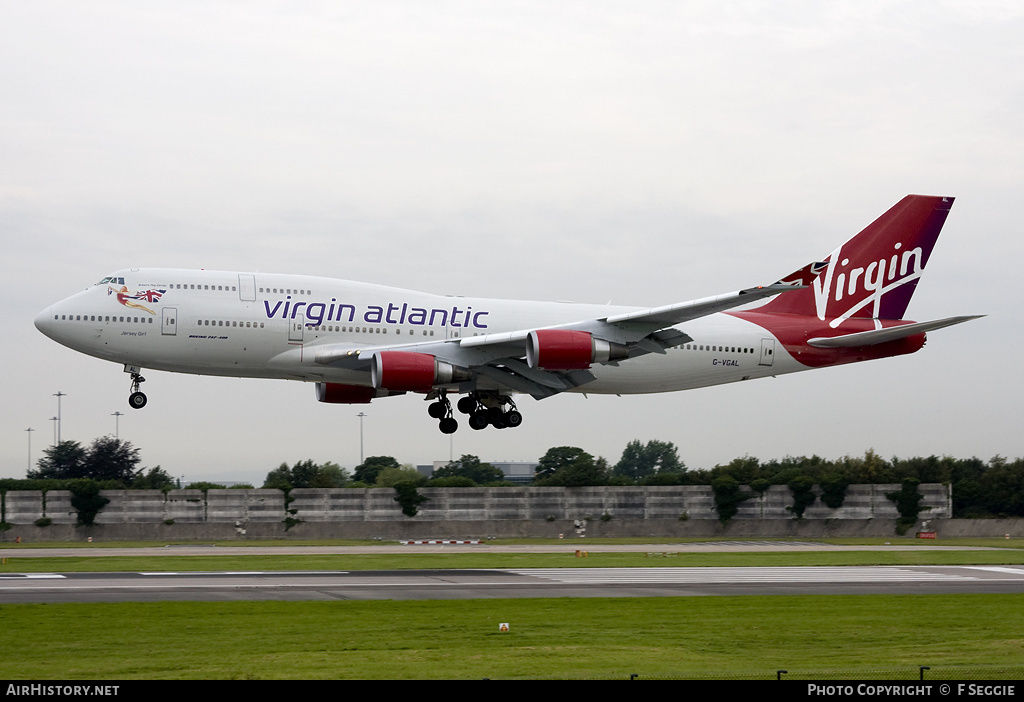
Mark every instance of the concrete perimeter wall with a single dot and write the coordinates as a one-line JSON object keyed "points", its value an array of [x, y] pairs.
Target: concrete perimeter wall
{"points": [[470, 512]]}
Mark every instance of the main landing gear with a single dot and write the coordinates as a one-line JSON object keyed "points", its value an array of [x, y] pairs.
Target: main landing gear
{"points": [[498, 411], [442, 411], [137, 400]]}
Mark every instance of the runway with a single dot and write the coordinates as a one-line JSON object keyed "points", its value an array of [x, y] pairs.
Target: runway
{"points": [[507, 583]]}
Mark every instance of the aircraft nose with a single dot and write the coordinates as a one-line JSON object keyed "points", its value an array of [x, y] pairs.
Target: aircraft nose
{"points": [[44, 320]]}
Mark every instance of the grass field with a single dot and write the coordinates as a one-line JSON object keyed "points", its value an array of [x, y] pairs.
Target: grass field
{"points": [[869, 636], [813, 637], [668, 553]]}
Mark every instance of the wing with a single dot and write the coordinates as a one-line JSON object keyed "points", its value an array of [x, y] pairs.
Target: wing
{"points": [[546, 361]]}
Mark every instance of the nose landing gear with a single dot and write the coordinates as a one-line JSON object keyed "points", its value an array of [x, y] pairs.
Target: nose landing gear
{"points": [[137, 400]]}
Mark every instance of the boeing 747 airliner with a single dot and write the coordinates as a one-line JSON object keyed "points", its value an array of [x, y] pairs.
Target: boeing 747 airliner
{"points": [[358, 341]]}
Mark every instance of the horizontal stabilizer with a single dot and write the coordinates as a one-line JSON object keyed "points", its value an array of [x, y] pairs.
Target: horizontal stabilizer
{"points": [[880, 336]]}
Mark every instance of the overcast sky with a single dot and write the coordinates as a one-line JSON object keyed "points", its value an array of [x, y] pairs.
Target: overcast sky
{"points": [[640, 153]]}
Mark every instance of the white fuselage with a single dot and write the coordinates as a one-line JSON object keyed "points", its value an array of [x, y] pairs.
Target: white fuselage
{"points": [[265, 325]]}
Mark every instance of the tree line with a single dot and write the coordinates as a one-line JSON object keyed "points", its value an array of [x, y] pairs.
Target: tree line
{"points": [[992, 488]]}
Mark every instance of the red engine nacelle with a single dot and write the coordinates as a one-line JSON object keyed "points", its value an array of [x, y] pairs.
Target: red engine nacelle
{"points": [[565, 349], [408, 371], [341, 394]]}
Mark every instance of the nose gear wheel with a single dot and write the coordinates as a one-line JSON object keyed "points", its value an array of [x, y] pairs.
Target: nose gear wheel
{"points": [[137, 399]]}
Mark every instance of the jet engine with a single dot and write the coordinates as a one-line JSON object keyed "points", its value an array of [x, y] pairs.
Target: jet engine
{"points": [[408, 371], [566, 349], [342, 394]]}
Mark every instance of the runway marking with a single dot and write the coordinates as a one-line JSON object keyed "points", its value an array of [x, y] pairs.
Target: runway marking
{"points": [[796, 574], [758, 544], [245, 572], [31, 576], [442, 542], [1019, 570]]}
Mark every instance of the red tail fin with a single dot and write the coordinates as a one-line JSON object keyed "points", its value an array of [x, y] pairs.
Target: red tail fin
{"points": [[874, 273]]}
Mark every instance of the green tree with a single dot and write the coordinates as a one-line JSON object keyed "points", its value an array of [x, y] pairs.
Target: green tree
{"points": [[471, 467], [306, 474], [1002, 487], [112, 459], [390, 477], [833, 490], [106, 458], [279, 479], [63, 460], [206, 485], [331, 475], [407, 496], [662, 479], [86, 499], [641, 460], [728, 497], [368, 470], [557, 458], [870, 469], [156, 479], [908, 504], [457, 482], [802, 488], [585, 470], [743, 470]]}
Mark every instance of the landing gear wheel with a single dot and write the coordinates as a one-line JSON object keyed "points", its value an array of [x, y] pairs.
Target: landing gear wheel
{"points": [[448, 425], [137, 400], [437, 410], [513, 418], [467, 404], [496, 417], [478, 420]]}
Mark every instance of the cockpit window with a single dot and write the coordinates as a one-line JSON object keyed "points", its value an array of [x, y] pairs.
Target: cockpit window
{"points": [[111, 279]]}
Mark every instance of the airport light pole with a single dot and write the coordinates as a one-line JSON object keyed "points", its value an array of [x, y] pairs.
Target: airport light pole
{"points": [[117, 424], [58, 395], [361, 415], [30, 430], [54, 420]]}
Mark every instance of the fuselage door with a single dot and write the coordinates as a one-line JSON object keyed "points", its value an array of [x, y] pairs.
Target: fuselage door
{"points": [[246, 287], [169, 321], [295, 329], [767, 352]]}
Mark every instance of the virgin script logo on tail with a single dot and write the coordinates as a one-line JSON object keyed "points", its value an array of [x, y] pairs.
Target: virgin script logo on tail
{"points": [[847, 287]]}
